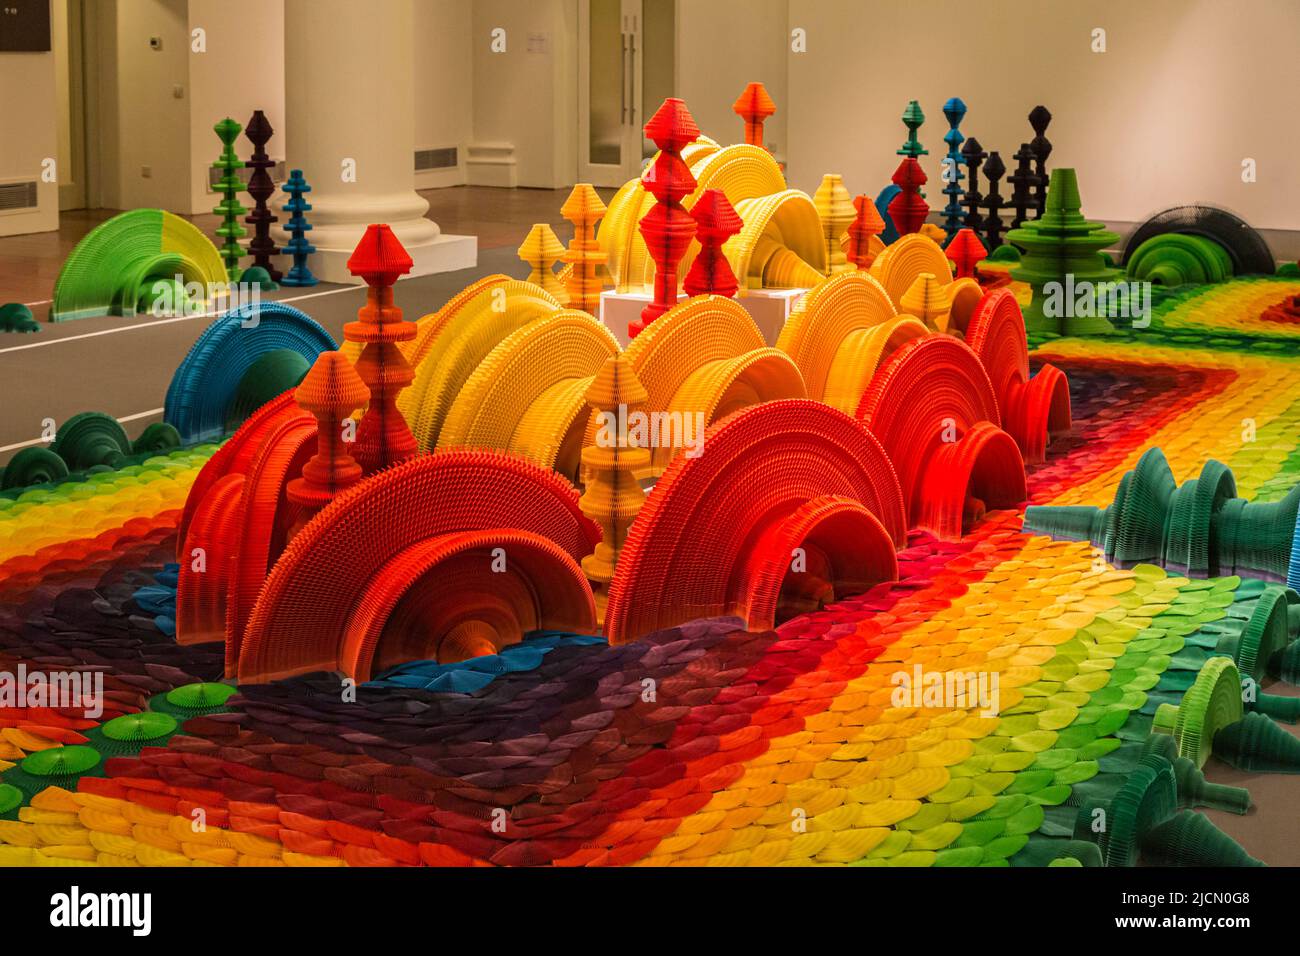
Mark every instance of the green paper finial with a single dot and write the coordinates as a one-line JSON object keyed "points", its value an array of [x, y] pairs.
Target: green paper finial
{"points": [[1257, 744], [912, 119], [1200, 528]]}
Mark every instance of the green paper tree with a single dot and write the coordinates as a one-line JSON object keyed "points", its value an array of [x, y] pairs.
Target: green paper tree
{"points": [[229, 209], [1064, 266]]}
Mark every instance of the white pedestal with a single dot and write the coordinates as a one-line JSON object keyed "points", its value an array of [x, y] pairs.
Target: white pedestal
{"points": [[769, 309], [617, 309]]}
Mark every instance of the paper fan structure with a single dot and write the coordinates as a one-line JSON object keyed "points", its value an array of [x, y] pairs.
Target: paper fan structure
{"points": [[132, 262], [245, 358], [783, 242], [783, 475], [1200, 528], [916, 586]]}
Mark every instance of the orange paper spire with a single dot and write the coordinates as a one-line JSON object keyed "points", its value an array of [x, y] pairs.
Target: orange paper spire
{"points": [[331, 390], [862, 233], [754, 106]]}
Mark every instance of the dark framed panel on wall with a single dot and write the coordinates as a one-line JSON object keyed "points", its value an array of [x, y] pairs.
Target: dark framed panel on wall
{"points": [[24, 26]]}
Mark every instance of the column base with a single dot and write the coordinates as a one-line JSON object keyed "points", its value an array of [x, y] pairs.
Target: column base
{"points": [[446, 253]]}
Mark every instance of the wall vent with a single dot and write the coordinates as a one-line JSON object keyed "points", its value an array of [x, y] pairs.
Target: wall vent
{"points": [[17, 197], [445, 158]]}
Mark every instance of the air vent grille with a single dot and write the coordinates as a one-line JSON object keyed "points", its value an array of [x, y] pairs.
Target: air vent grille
{"points": [[16, 196], [445, 158]]}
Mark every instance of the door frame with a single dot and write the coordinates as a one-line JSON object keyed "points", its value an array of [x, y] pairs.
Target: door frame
{"points": [[630, 80], [72, 174]]}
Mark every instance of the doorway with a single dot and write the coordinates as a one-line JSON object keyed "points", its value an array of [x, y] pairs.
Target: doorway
{"points": [[626, 68], [68, 41]]}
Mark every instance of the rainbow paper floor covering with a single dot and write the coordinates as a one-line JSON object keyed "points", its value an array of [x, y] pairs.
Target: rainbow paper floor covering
{"points": [[702, 745]]}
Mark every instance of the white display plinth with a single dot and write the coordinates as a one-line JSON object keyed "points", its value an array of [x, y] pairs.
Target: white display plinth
{"points": [[768, 307], [617, 309]]}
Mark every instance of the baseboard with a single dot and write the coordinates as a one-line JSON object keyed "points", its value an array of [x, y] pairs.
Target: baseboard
{"points": [[491, 164], [440, 178]]}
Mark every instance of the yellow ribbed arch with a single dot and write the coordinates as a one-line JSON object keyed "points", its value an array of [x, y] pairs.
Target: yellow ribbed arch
{"points": [[788, 220], [845, 303], [527, 395], [860, 354], [460, 340], [706, 355], [906, 258]]}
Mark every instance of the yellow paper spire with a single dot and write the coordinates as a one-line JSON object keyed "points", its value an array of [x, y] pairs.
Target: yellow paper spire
{"points": [[835, 207], [928, 300], [541, 249], [584, 209], [613, 496]]}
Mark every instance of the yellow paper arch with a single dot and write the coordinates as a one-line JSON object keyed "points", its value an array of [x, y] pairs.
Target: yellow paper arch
{"points": [[838, 306], [860, 354], [527, 395], [461, 339], [906, 258], [790, 221], [706, 355]]}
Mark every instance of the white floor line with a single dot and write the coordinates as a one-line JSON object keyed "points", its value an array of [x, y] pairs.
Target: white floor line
{"points": [[138, 415], [178, 318], [41, 441]]}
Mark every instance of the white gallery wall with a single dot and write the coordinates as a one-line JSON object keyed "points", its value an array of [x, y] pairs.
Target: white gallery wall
{"points": [[1185, 91], [444, 94], [721, 48], [153, 108], [525, 97], [142, 140], [241, 69]]}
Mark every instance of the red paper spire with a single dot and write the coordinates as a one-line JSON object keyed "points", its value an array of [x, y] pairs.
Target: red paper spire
{"points": [[379, 257], [383, 436], [865, 227], [754, 106], [667, 228], [965, 251], [715, 222], [908, 209], [672, 127]]}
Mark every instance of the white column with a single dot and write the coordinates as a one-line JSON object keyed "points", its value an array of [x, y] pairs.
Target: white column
{"points": [[349, 117]]}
